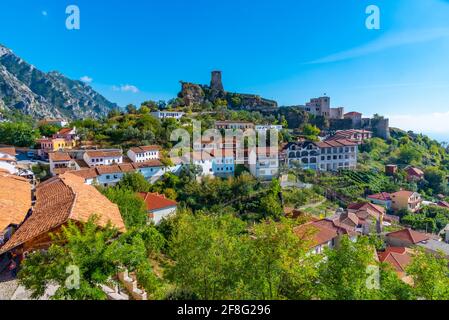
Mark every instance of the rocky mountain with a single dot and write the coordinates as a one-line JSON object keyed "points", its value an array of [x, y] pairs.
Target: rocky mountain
{"points": [[41, 95]]}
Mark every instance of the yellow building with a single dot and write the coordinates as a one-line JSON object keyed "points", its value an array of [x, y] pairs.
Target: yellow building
{"points": [[408, 200]]}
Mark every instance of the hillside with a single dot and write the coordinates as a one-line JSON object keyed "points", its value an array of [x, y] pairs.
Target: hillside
{"points": [[25, 88]]}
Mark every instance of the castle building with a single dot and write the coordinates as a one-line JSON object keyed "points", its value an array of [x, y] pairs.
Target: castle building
{"points": [[321, 107]]}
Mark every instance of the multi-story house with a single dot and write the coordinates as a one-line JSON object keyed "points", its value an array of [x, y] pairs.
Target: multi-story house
{"points": [[177, 115], [337, 155], [223, 162], [233, 125], [60, 162], [264, 163], [305, 154], [144, 153], [95, 158], [321, 107], [48, 145], [406, 200], [322, 156]]}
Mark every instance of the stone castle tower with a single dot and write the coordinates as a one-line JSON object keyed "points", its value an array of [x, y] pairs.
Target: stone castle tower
{"points": [[216, 83]]}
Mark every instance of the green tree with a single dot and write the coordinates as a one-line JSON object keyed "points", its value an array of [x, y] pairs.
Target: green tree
{"points": [[134, 181], [132, 208], [95, 252], [311, 131], [430, 276], [47, 130], [19, 134], [344, 274], [206, 254]]}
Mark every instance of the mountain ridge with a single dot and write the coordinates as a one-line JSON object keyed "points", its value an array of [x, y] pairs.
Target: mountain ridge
{"points": [[41, 94]]}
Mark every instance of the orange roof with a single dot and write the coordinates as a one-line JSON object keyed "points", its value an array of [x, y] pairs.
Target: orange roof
{"points": [[60, 200], [86, 173], [59, 156], [144, 149], [367, 205], [336, 143], [104, 153], [409, 235], [108, 169], [320, 232], [15, 199], [398, 257], [65, 130], [8, 150], [148, 164], [383, 196], [414, 171], [155, 201]]}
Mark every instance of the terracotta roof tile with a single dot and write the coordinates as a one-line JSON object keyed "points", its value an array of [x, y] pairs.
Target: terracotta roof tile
{"points": [[156, 201], [59, 156], [9, 151], [409, 235], [59, 200], [104, 153], [398, 257], [144, 149], [15, 199]]}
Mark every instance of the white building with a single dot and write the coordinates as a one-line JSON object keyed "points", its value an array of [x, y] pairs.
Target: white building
{"points": [[264, 164], [158, 206], [95, 158], [168, 114], [263, 128], [144, 153], [323, 156]]}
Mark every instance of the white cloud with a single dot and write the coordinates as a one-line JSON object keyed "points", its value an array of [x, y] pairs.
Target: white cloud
{"points": [[430, 123], [44, 13], [86, 79], [126, 88], [388, 41]]}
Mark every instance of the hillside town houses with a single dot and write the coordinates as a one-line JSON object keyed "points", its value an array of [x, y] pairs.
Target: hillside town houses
{"points": [[29, 214]]}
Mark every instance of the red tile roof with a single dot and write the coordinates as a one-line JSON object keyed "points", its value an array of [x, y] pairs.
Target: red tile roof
{"points": [[398, 257], [336, 143], [9, 151], [383, 196], [148, 164], [409, 235], [59, 156], [413, 171], [65, 130], [320, 232], [59, 200], [144, 149], [15, 199], [104, 153], [155, 201]]}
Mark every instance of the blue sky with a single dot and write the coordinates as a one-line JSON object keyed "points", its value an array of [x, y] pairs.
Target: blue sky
{"points": [[287, 50]]}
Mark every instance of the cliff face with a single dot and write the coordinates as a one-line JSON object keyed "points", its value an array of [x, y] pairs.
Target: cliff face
{"points": [[40, 94], [196, 94]]}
